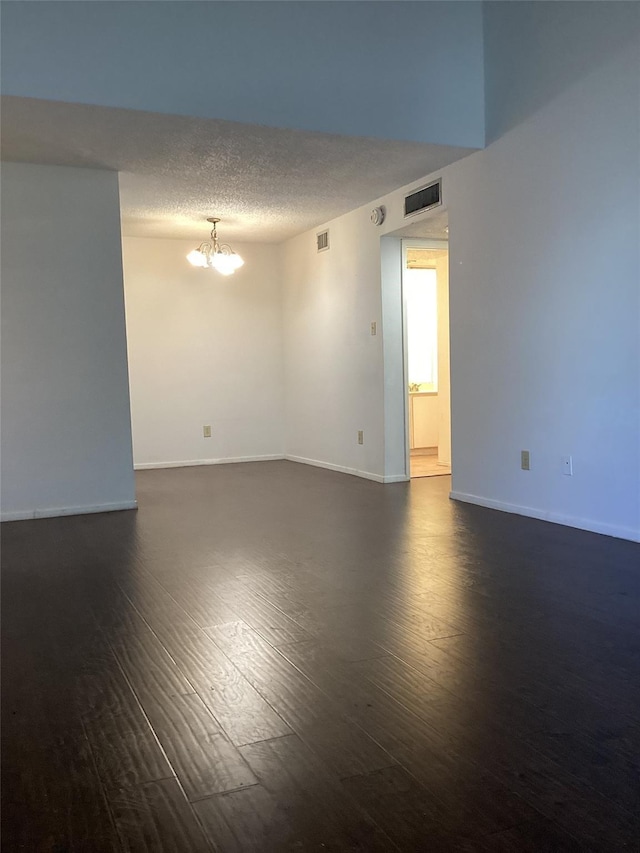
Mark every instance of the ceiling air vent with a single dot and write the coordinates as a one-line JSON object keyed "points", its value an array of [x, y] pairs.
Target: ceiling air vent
{"points": [[423, 199], [322, 240]]}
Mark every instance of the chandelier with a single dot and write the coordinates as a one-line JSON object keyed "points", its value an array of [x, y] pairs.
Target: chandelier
{"points": [[215, 255]]}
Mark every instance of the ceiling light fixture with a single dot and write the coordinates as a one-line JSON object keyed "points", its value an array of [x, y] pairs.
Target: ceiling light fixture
{"points": [[215, 255]]}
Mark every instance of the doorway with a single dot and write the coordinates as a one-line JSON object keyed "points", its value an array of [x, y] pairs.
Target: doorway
{"points": [[425, 289]]}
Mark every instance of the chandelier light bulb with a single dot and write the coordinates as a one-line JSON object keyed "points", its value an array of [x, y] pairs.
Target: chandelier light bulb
{"points": [[227, 261], [197, 258], [222, 263]]}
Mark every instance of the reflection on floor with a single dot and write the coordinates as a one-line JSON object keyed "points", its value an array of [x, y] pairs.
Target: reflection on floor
{"points": [[269, 657], [424, 463]]}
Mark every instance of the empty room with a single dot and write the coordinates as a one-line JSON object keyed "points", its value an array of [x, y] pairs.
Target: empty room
{"points": [[232, 620]]}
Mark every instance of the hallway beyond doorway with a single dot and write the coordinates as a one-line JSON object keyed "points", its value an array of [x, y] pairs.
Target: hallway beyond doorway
{"points": [[425, 294]]}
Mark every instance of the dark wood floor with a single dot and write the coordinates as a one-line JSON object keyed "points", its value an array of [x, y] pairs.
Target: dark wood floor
{"points": [[271, 657]]}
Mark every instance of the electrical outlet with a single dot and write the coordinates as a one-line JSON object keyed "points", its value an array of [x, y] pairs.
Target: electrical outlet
{"points": [[567, 466], [360, 436], [525, 461], [206, 431], [374, 328]]}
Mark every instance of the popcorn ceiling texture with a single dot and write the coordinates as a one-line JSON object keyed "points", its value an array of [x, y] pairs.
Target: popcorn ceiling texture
{"points": [[266, 184]]}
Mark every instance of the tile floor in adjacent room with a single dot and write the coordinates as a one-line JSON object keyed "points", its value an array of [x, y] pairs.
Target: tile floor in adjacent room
{"points": [[425, 464]]}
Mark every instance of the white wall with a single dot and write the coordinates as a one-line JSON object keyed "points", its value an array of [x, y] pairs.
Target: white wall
{"points": [[410, 71], [333, 365], [66, 439], [203, 349], [395, 466], [545, 316], [545, 284]]}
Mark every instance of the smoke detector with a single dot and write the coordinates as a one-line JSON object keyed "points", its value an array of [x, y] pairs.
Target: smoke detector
{"points": [[377, 215]]}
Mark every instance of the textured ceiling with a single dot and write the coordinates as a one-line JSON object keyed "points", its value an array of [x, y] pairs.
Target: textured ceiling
{"points": [[264, 183], [424, 259]]}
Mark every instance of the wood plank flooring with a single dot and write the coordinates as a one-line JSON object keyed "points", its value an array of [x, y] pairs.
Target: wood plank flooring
{"points": [[269, 657]]}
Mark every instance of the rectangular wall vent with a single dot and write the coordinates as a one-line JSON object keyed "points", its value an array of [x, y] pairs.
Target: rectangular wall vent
{"points": [[423, 199], [323, 241]]}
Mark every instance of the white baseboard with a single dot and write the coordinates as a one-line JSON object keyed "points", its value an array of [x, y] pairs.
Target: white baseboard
{"points": [[23, 515], [190, 463], [556, 518], [366, 475]]}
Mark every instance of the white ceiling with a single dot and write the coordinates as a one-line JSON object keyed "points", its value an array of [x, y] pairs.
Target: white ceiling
{"points": [[266, 184]]}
